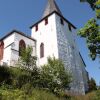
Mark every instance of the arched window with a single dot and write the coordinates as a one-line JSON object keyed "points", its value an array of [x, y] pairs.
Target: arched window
{"points": [[22, 46], [1, 49], [41, 50]]}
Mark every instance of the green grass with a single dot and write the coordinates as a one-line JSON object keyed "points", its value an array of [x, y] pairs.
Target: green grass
{"points": [[35, 94], [95, 95], [38, 94]]}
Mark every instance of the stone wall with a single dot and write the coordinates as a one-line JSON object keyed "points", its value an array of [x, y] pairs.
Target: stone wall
{"points": [[68, 53]]}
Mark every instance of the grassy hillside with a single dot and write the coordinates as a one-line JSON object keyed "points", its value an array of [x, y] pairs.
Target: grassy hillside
{"points": [[20, 84], [36, 94], [22, 95]]}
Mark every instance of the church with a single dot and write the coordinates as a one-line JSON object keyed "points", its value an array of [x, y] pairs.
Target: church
{"points": [[52, 36]]}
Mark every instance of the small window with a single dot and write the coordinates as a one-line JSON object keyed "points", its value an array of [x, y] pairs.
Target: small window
{"points": [[61, 20], [46, 21], [69, 26], [41, 50], [36, 28]]}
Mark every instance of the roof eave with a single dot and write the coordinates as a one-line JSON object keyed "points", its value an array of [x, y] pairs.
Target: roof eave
{"points": [[13, 31], [51, 14], [82, 59]]}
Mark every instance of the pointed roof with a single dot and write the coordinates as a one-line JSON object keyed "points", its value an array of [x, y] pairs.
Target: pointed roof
{"points": [[51, 7]]}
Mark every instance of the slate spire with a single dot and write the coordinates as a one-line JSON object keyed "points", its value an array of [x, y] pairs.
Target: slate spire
{"points": [[50, 7]]}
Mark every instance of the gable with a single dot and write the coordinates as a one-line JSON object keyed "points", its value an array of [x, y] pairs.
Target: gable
{"points": [[18, 32]]}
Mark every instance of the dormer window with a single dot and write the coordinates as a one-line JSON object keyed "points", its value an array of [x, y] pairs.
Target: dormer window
{"points": [[69, 26], [46, 21], [36, 27], [61, 20]]}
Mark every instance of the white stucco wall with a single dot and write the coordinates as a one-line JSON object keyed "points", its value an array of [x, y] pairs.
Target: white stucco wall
{"points": [[15, 46], [59, 41], [7, 49], [46, 34], [11, 48]]}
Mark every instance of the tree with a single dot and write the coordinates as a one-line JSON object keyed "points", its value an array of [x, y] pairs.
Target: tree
{"points": [[26, 59], [91, 30], [91, 3], [54, 76], [95, 5], [92, 85]]}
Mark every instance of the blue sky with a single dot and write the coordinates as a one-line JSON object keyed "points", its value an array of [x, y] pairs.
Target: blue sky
{"points": [[21, 14]]}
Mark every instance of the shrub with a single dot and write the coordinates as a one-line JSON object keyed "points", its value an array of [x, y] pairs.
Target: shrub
{"points": [[92, 85], [14, 77], [20, 77], [51, 76], [26, 60], [97, 95], [5, 75], [54, 76]]}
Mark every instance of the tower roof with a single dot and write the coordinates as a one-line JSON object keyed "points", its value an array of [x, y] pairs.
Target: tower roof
{"points": [[50, 7]]}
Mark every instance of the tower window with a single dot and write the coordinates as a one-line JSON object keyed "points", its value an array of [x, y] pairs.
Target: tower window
{"points": [[46, 21], [36, 28], [69, 26], [41, 50], [1, 49], [22, 46], [61, 20]]}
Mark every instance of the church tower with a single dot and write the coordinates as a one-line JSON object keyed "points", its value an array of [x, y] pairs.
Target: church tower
{"points": [[55, 37]]}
